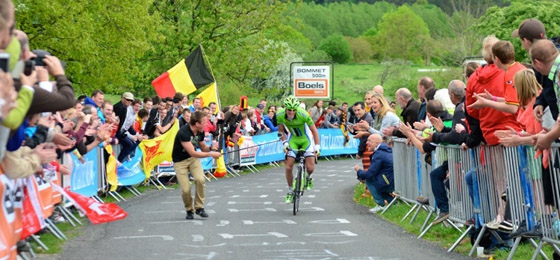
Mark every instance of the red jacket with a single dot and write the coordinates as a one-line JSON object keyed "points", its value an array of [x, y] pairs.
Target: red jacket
{"points": [[490, 78]]}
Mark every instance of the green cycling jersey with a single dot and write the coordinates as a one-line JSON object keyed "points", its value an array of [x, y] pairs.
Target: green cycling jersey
{"points": [[298, 126]]}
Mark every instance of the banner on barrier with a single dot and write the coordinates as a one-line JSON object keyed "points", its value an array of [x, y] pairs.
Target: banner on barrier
{"points": [[247, 151], [269, 148], [130, 172], [333, 143], [83, 179]]}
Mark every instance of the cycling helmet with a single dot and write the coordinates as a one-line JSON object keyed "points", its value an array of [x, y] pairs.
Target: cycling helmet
{"points": [[291, 102]]}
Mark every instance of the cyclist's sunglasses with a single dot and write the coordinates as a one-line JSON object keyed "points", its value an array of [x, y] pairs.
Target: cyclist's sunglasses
{"points": [[291, 110]]}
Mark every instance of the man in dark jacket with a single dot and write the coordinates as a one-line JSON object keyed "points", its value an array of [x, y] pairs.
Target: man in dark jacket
{"points": [[128, 138], [379, 176], [409, 113]]}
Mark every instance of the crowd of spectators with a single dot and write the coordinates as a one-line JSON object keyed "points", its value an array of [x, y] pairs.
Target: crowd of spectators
{"points": [[41, 118]]}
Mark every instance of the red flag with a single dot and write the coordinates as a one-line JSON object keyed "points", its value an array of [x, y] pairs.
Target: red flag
{"points": [[96, 211], [32, 218]]}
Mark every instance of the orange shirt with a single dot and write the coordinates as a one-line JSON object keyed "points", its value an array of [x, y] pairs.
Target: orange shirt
{"points": [[510, 93]]}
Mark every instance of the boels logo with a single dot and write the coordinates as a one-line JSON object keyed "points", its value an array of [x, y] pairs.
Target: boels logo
{"points": [[311, 85]]}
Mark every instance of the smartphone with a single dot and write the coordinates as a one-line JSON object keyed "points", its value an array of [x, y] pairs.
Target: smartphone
{"points": [[5, 61], [39, 61], [29, 67]]}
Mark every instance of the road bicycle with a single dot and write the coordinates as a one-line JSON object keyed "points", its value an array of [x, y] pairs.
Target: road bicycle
{"points": [[300, 180]]}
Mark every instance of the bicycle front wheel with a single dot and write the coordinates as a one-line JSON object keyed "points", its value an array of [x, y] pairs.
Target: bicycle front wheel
{"points": [[297, 190]]}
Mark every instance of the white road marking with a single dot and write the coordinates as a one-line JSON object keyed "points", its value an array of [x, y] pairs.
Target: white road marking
{"points": [[332, 234], [275, 234], [164, 237], [286, 221], [245, 210], [337, 221]]}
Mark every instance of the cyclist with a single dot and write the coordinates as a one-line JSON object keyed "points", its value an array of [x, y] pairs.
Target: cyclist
{"points": [[297, 132]]}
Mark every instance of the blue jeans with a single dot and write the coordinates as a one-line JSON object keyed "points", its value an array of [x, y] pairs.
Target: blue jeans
{"points": [[437, 176], [379, 197], [127, 146], [470, 186]]}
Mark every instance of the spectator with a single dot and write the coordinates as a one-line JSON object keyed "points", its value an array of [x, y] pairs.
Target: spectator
{"points": [[128, 138], [185, 118], [185, 101], [143, 115], [195, 105], [359, 127], [316, 110], [504, 58], [456, 90], [331, 119], [470, 69], [161, 126], [368, 100], [424, 84], [148, 104], [268, 119], [186, 159], [530, 31], [379, 175], [543, 56], [409, 112], [384, 116]]}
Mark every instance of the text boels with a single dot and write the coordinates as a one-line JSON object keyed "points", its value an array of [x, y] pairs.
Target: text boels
{"points": [[311, 85]]}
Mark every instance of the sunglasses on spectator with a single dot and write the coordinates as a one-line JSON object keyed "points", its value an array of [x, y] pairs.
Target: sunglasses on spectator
{"points": [[130, 100]]}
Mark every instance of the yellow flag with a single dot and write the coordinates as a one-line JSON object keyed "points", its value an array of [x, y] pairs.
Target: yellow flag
{"points": [[220, 171], [111, 168], [209, 95], [157, 150]]}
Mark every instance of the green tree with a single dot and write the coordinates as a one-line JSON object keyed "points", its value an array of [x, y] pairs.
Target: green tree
{"points": [[98, 39], [502, 21], [337, 48], [238, 37], [436, 20], [361, 49], [401, 34]]}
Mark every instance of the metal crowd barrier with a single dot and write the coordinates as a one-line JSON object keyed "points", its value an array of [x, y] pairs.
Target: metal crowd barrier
{"points": [[506, 182]]}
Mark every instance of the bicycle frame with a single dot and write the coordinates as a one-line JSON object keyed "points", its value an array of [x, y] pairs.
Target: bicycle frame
{"points": [[300, 177]]}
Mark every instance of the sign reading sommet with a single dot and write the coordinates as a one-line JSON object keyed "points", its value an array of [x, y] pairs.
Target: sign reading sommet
{"points": [[312, 81]]}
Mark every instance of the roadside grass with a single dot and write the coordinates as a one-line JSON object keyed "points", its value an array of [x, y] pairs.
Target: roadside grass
{"points": [[440, 234]]}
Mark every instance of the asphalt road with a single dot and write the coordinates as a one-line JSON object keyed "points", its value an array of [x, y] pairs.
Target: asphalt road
{"points": [[249, 220]]}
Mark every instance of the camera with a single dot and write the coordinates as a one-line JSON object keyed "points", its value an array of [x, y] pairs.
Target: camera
{"points": [[5, 61], [29, 67], [39, 60]]}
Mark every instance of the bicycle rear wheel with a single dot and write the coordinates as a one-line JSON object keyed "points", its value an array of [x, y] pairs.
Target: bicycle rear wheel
{"points": [[297, 190]]}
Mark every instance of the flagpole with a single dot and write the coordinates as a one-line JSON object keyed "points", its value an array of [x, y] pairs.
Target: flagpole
{"points": [[211, 72]]}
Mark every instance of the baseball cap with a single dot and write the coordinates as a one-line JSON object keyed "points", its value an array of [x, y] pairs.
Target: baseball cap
{"points": [[530, 29], [128, 95]]}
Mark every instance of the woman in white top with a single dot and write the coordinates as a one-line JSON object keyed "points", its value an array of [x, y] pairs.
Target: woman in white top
{"points": [[384, 115], [316, 110]]}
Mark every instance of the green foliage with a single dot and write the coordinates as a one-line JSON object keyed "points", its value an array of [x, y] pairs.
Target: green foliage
{"points": [[361, 49], [236, 36], [436, 20], [99, 40], [337, 48], [321, 21], [402, 35], [502, 21]]}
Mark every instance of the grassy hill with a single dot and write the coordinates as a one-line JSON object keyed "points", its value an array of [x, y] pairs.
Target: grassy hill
{"points": [[351, 81]]}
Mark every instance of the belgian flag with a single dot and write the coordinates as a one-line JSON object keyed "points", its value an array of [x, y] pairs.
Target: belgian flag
{"points": [[186, 77]]}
